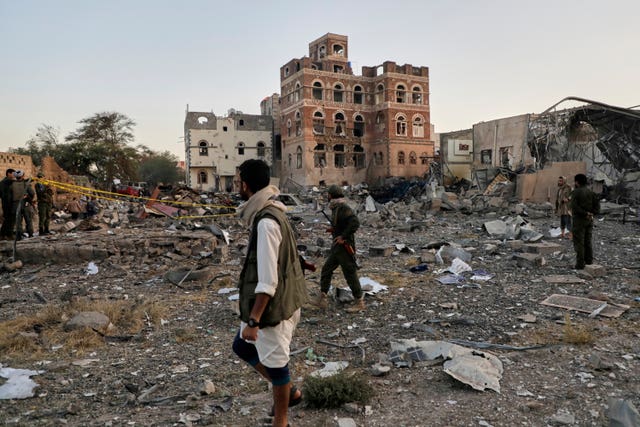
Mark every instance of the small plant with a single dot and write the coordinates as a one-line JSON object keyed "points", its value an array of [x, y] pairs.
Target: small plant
{"points": [[576, 334], [336, 390]]}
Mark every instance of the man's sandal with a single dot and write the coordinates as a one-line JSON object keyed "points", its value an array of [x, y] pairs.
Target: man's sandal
{"points": [[293, 401]]}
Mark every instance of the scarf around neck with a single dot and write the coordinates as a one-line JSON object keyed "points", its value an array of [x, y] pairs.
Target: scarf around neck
{"points": [[258, 201]]}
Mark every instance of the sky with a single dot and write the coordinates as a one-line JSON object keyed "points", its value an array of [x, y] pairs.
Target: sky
{"points": [[62, 61]]}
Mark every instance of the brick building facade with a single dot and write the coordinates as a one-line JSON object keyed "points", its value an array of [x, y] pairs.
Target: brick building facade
{"points": [[337, 127]]}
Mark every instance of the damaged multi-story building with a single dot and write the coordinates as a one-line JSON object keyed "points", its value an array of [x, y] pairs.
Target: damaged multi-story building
{"points": [[337, 127], [215, 146], [595, 138]]}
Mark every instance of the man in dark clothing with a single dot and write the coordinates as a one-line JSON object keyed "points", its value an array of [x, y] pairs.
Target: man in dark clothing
{"points": [[344, 224], [8, 220], [23, 196], [584, 205], [45, 204]]}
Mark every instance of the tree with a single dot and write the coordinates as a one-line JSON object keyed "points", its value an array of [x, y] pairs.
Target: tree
{"points": [[43, 144], [160, 168], [99, 148]]}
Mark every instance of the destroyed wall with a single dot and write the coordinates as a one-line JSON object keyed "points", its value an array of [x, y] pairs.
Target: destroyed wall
{"points": [[501, 143], [542, 186], [456, 153], [17, 161]]}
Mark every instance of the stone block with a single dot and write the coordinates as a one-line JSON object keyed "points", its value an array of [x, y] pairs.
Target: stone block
{"points": [[380, 251], [515, 245], [543, 248], [595, 270], [529, 260]]}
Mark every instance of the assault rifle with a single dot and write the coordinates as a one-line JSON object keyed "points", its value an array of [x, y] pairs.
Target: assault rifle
{"points": [[346, 245]]}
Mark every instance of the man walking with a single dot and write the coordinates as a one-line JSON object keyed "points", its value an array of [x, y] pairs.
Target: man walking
{"points": [[563, 198], [45, 204], [584, 205], [272, 287], [344, 224], [8, 220]]}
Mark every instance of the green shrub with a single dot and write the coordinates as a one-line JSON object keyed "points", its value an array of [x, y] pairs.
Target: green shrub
{"points": [[335, 391]]}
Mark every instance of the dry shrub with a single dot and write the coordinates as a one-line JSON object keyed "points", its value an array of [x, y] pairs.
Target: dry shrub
{"points": [[336, 390], [185, 334], [83, 340], [576, 334]]}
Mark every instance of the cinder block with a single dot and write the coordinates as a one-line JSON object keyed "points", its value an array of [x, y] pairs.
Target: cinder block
{"points": [[543, 248], [595, 270]]}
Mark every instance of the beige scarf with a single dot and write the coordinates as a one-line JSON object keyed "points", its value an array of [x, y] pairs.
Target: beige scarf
{"points": [[258, 201]]}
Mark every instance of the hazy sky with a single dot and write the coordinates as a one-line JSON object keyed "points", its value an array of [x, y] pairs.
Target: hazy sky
{"points": [[62, 61]]}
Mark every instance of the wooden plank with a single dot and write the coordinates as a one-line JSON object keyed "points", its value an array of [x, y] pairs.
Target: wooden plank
{"points": [[563, 278], [585, 305]]}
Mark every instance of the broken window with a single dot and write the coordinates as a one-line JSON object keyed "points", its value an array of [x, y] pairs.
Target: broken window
{"points": [[401, 126], [380, 158], [380, 94], [424, 159], [358, 126], [339, 124], [320, 156], [357, 95], [485, 157], [338, 50], [296, 94], [317, 90], [322, 51], [240, 122], [338, 156], [380, 121], [318, 123], [289, 127], [286, 71], [505, 157], [416, 95], [298, 123], [204, 149], [297, 66], [241, 148], [202, 177], [413, 158], [401, 94], [289, 160], [224, 128], [338, 68], [261, 149], [401, 157], [358, 156], [338, 93], [418, 127], [299, 157]]}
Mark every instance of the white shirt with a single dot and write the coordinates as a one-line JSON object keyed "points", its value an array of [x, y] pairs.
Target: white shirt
{"points": [[269, 239]]}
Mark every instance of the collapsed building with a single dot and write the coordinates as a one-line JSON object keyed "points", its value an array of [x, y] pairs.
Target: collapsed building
{"points": [[600, 140]]}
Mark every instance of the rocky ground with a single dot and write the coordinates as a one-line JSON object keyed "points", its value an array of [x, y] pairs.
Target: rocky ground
{"points": [[167, 359]]}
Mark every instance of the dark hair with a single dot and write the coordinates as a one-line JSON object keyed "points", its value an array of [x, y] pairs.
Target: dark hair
{"points": [[581, 179], [9, 171], [255, 173]]}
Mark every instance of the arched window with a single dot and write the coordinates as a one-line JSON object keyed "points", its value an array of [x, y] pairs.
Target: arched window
{"points": [[298, 123], [338, 93], [261, 149], [289, 127], [418, 127], [401, 157], [296, 94], [380, 94], [318, 123], [358, 126], [401, 94], [424, 159], [357, 95], [299, 157], [203, 148], [320, 156], [241, 148], [380, 158], [413, 158], [380, 121], [317, 90], [339, 124], [338, 156], [358, 156], [416, 95], [202, 177], [401, 125]]}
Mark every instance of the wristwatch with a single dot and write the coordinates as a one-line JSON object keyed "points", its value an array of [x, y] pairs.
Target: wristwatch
{"points": [[253, 323]]}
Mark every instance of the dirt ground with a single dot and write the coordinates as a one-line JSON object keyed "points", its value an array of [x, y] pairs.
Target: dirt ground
{"points": [[170, 340]]}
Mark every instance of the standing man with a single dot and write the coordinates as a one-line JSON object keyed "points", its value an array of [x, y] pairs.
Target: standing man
{"points": [[45, 204], [584, 205], [22, 195], [563, 198], [344, 224], [272, 287], [8, 220]]}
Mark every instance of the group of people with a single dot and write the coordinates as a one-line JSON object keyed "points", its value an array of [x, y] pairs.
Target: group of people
{"points": [[576, 209], [18, 198], [271, 283]]}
